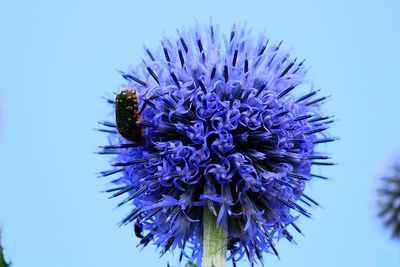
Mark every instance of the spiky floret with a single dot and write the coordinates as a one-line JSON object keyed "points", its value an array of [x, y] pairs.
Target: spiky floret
{"points": [[389, 199], [221, 129]]}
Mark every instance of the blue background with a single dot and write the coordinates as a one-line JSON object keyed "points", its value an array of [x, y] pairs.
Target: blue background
{"points": [[58, 58]]}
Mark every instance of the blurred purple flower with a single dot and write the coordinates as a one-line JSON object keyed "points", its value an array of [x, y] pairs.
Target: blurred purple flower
{"points": [[389, 199], [223, 129]]}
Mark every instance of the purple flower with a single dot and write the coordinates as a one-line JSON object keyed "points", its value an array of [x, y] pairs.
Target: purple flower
{"points": [[389, 199], [221, 128]]}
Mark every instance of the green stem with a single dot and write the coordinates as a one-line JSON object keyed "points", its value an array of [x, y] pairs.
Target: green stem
{"points": [[214, 241]]}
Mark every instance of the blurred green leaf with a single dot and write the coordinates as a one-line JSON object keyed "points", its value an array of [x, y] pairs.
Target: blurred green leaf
{"points": [[3, 262]]}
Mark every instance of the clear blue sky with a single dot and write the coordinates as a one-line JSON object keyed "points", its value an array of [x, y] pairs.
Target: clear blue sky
{"points": [[57, 58]]}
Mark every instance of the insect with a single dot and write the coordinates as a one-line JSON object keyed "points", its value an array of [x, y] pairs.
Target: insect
{"points": [[127, 115]]}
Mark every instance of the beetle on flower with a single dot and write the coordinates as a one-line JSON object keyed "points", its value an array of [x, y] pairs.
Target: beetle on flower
{"points": [[223, 139]]}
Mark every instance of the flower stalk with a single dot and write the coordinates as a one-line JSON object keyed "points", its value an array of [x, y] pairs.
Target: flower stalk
{"points": [[214, 241]]}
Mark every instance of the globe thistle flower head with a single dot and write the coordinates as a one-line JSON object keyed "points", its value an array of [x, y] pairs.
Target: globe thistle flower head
{"points": [[389, 199], [219, 128]]}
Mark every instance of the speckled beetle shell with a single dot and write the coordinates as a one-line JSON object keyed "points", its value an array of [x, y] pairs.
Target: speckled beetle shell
{"points": [[127, 114]]}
